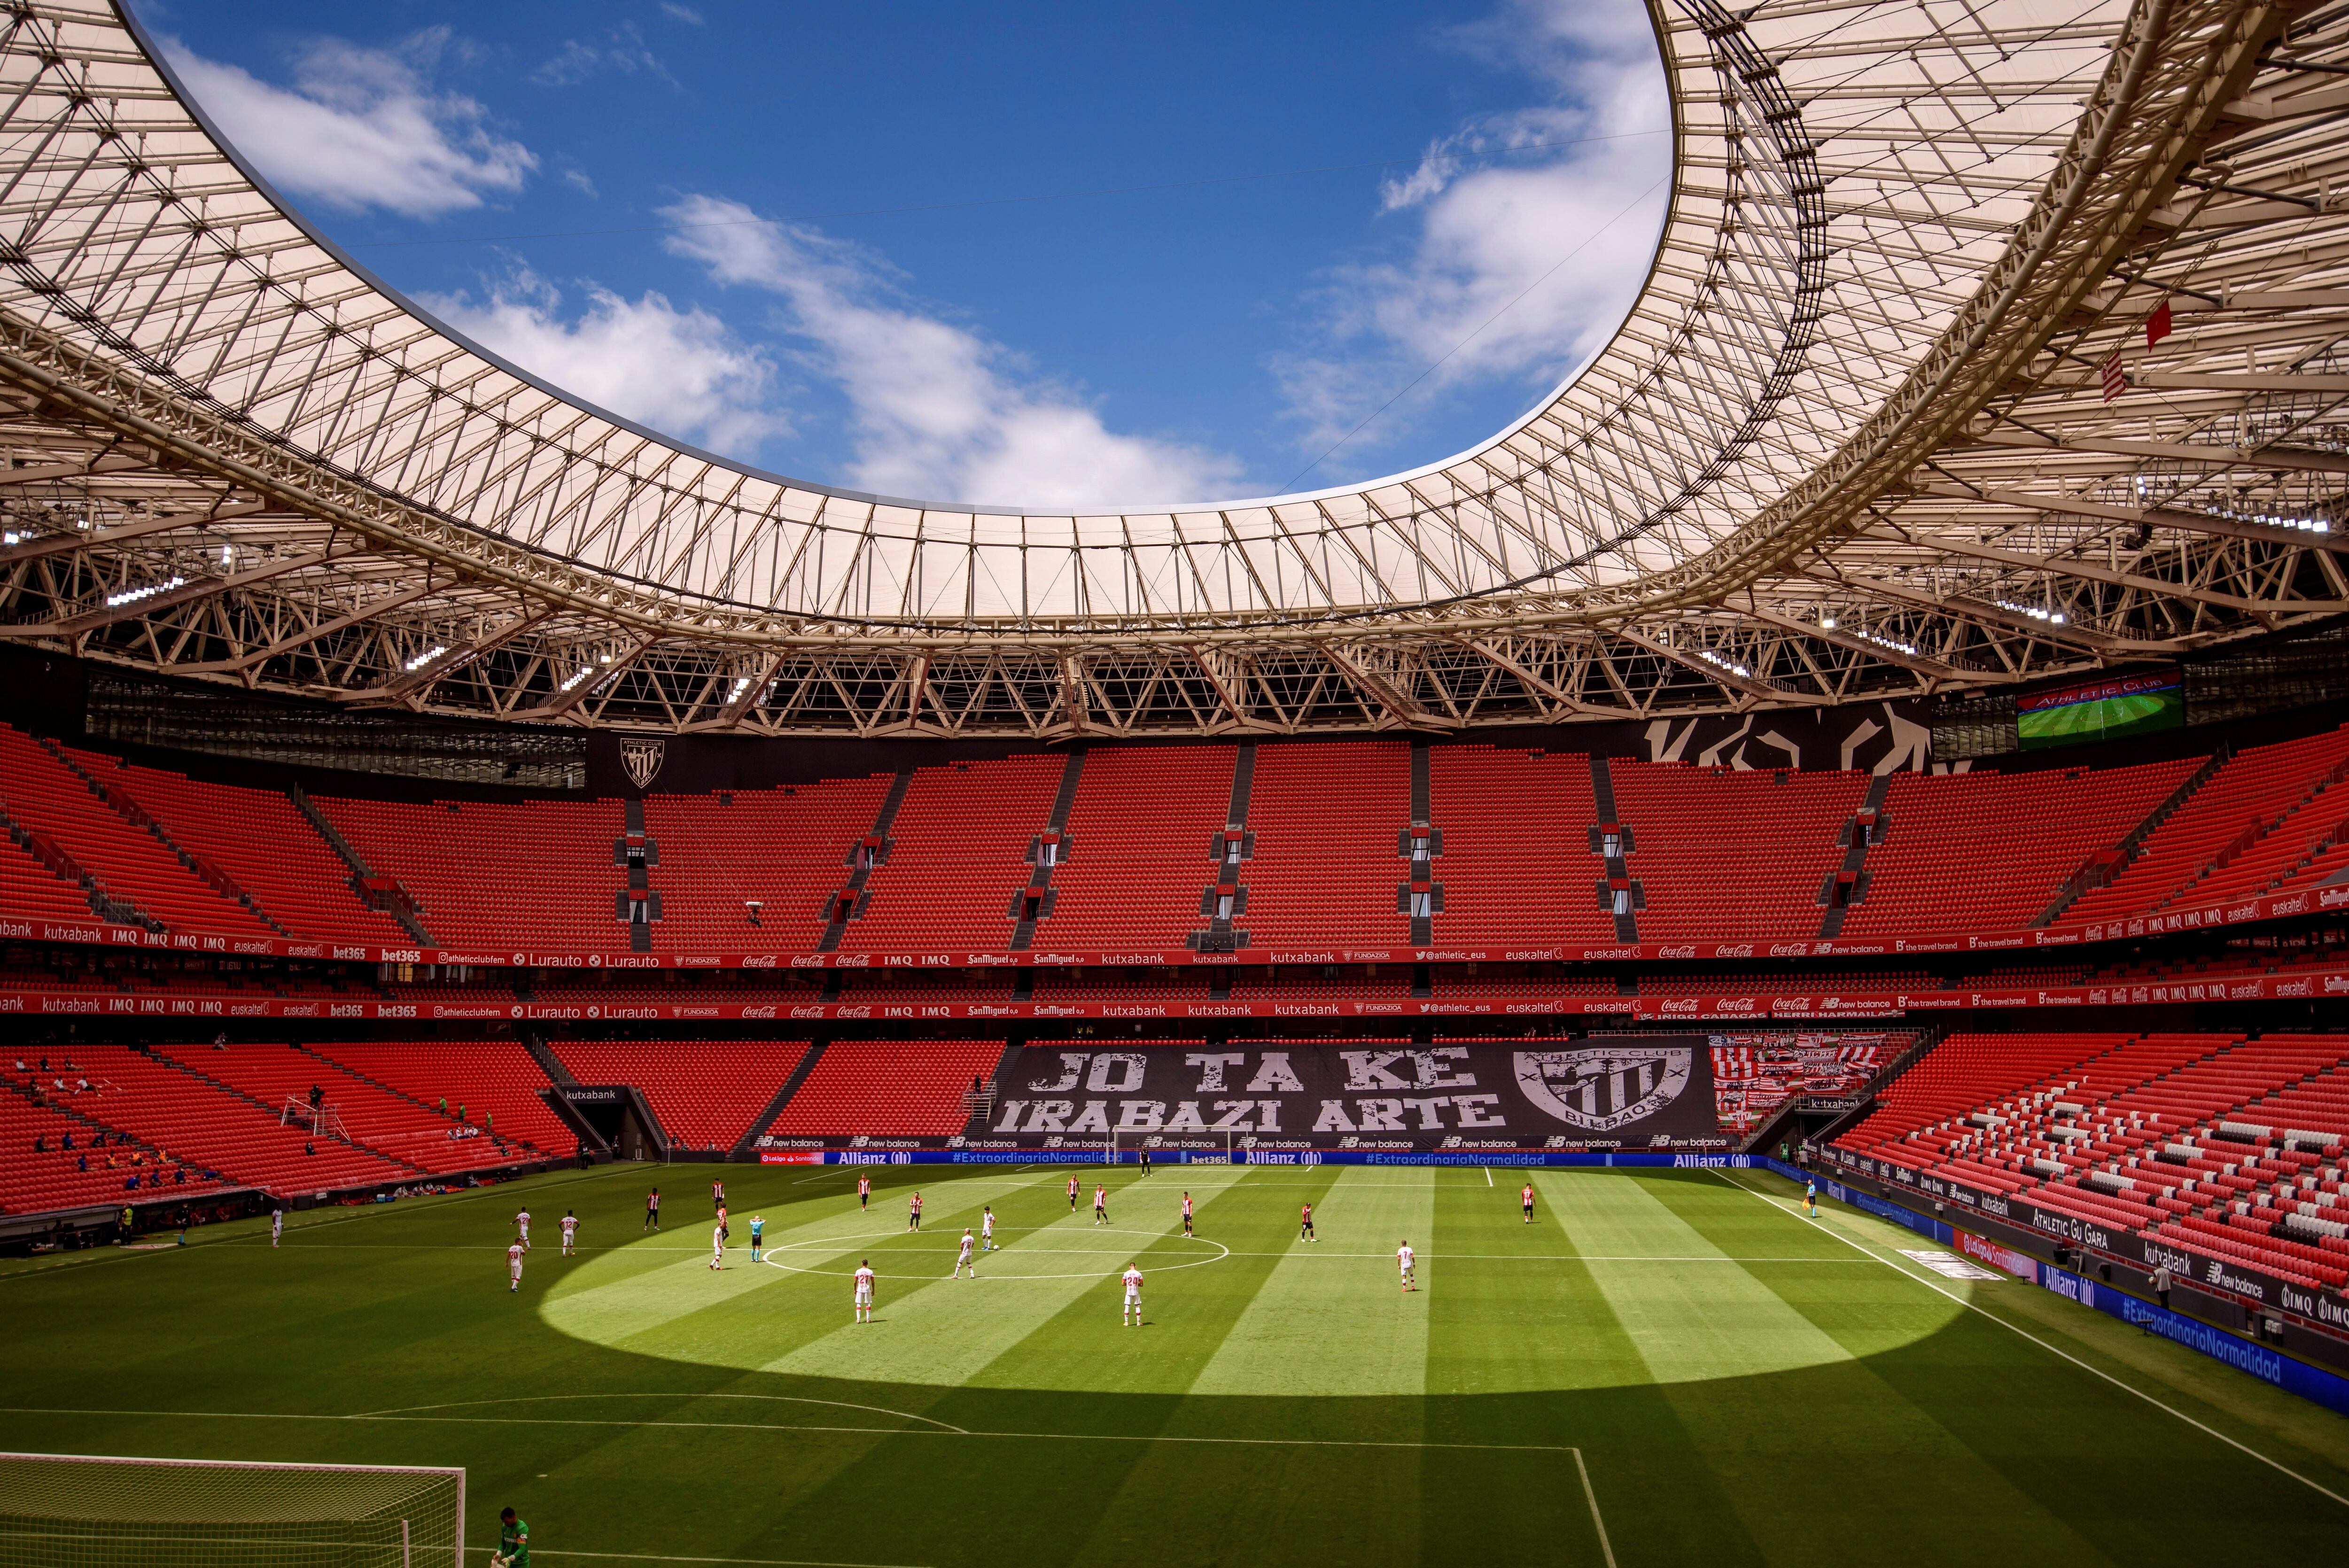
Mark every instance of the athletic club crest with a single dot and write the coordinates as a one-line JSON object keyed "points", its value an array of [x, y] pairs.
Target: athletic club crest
{"points": [[1602, 1088], [642, 759]]}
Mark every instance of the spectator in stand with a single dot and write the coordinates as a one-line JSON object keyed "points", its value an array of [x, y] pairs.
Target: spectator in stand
{"points": [[40, 1144], [81, 1162], [2161, 1285]]}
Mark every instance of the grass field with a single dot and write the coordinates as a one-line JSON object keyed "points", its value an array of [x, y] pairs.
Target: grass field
{"points": [[1665, 1367]]}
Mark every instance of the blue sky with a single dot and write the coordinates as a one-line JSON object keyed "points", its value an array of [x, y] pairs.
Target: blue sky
{"points": [[1056, 255]]}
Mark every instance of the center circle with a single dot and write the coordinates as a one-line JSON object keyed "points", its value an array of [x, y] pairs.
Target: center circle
{"points": [[1145, 1241]]}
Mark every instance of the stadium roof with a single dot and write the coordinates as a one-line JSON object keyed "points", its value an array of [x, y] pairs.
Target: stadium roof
{"points": [[1891, 416]]}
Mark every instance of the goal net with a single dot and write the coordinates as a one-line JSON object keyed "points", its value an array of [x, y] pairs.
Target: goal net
{"points": [[75, 1510]]}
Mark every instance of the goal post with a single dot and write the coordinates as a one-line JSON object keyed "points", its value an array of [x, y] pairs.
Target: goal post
{"points": [[91, 1511]]}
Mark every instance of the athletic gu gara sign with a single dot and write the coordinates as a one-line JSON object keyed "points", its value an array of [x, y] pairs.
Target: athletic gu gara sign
{"points": [[1623, 1091]]}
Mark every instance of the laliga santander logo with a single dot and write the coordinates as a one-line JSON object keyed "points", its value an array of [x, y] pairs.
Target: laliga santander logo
{"points": [[1604, 1087]]}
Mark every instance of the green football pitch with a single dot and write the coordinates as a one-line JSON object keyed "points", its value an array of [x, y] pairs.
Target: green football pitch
{"points": [[1666, 1367]]}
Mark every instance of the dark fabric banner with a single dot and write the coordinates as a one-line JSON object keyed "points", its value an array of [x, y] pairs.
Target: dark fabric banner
{"points": [[1603, 1092]]}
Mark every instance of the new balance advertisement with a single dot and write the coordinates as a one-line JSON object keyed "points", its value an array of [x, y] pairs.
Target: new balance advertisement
{"points": [[1601, 1093]]}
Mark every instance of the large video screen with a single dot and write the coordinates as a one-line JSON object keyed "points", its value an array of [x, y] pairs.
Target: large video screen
{"points": [[2101, 711]]}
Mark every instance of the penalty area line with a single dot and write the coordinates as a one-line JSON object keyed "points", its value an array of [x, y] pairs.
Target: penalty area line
{"points": [[2205, 1427]]}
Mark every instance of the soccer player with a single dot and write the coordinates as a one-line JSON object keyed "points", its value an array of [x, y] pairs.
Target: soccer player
{"points": [[522, 1228], [1404, 1259], [864, 1290], [717, 1246], [514, 1542], [652, 1212], [1525, 1199], [987, 1227], [513, 1266], [1100, 1205], [718, 1195], [276, 1225], [963, 1260], [724, 1229], [913, 1212], [1811, 1198], [1145, 1159], [1073, 1194], [758, 1237], [1133, 1312], [1305, 1224], [1187, 1213], [864, 1192], [570, 1232]]}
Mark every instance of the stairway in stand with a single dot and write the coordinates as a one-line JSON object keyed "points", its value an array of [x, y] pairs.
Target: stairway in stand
{"points": [[1848, 883], [1421, 896], [1227, 895], [638, 904], [1046, 851], [1612, 841], [870, 851]]}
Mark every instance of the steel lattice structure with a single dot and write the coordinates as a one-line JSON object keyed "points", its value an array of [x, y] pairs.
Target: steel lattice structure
{"points": [[1855, 439]]}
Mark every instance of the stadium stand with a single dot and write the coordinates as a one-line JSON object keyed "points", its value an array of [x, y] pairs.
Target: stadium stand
{"points": [[1326, 819], [79, 1162], [2227, 1148], [493, 873], [1732, 854], [282, 1077], [703, 1092], [1516, 866], [484, 1082], [203, 1121], [958, 857], [2246, 830], [1140, 837], [888, 1089], [260, 842], [783, 851], [45, 796], [1990, 850]]}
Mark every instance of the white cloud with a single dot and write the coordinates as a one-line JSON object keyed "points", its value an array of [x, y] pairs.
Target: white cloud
{"points": [[938, 411], [1527, 237], [685, 13], [682, 372], [621, 52], [577, 180], [361, 127]]}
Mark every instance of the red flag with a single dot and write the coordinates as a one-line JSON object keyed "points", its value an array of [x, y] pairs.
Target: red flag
{"points": [[2116, 381], [2157, 325]]}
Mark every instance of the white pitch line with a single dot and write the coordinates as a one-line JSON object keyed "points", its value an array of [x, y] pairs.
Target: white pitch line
{"points": [[2052, 1349], [749, 1561], [1489, 1175], [1606, 1547], [792, 1427]]}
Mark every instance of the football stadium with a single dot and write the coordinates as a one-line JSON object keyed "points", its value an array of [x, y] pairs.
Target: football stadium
{"points": [[1754, 968]]}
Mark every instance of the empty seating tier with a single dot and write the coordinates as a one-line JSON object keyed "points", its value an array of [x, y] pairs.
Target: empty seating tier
{"points": [[888, 1089], [704, 1093]]}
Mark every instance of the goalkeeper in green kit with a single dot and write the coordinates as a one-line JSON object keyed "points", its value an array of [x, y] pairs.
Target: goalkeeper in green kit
{"points": [[514, 1542]]}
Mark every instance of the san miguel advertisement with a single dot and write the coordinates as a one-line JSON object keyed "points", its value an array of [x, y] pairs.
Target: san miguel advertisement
{"points": [[1642, 1091]]}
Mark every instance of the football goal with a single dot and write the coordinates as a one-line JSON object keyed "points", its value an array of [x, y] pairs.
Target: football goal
{"points": [[85, 1511]]}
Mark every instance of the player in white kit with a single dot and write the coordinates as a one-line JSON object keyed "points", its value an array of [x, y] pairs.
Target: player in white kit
{"points": [[522, 1228], [276, 1225], [987, 1229], [513, 1265], [570, 1232], [1404, 1259], [863, 1290], [1133, 1312], [717, 1246], [964, 1259]]}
